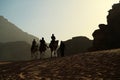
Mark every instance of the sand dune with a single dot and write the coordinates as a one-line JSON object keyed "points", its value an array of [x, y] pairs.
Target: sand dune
{"points": [[99, 65]]}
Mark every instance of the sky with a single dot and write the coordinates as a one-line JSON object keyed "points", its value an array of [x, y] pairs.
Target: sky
{"points": [[63, 18]]}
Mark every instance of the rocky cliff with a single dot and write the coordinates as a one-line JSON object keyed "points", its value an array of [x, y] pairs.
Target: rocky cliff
{"points": [[108, 35]]}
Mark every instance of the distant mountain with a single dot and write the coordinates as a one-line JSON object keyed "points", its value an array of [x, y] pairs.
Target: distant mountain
{"points": [[15, 51], [77, 45], [15, 44], [11, 33]]}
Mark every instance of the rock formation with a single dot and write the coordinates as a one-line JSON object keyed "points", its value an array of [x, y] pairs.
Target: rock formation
{"points": [[108, 36], [77, 45]]}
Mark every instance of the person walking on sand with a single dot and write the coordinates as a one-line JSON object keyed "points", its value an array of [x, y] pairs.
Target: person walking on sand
{"points": [[62, 48]]}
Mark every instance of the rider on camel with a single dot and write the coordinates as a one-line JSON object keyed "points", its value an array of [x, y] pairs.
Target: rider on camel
{"points": [[53, 38], [42, 42], [33, 43]]}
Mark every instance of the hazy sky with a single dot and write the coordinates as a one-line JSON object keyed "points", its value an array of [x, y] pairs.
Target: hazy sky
{"points": [[64, 18]]}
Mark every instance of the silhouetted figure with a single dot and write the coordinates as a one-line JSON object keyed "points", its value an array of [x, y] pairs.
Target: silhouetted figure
{"points": [[43, 46], [53, 38], [53, 45], [62, 48], [34, 49], [33, 43], [42, 41]]}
